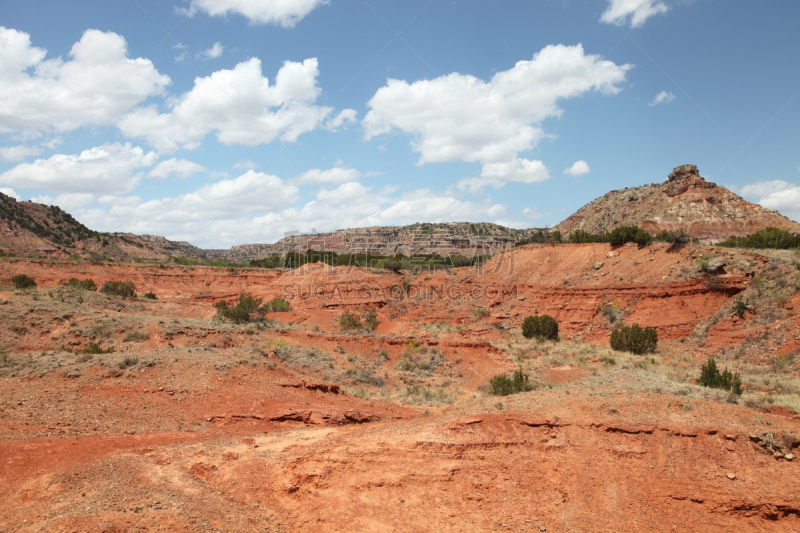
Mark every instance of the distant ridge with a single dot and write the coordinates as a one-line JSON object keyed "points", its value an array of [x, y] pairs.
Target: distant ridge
{"points": [[707, 211]]}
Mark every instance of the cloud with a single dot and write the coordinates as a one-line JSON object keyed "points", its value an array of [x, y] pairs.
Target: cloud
{"points": [[245, 164], [339, 174], [67, 202], [286, 13], [97, 86], [239, 105], [213, 52], [578, 168], [257, 207], [498, 174], [534, 213], [180, 168], [10, 192], [620, 12], [462, 118], [662, 98], [107, 169], [779, 195], [18, 153], [345, 118]]}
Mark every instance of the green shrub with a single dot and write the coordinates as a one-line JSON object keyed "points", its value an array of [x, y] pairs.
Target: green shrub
{"points": [[242, 312], [503, 386], [150, 296], [371, 321], [94, 348], [123, 289], [740, 307], [277, 305], [393, 265], [634, 339], [23, 281], [135, 336], [349, 321], [624, 234], [673, 237], [480, 312], [537, 326], [710, 376], [128, 361], [773, 238], [85, 285]]}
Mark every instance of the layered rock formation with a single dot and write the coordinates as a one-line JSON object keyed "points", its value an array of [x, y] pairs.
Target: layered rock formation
{"points": [[705, 210]]}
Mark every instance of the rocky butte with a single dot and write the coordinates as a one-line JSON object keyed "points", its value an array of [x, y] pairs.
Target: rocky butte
{"points": [[705, 210]]}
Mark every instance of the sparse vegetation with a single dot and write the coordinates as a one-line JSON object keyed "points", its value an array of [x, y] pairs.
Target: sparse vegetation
{"points": [[248, 308], [95, 349], [634, 339], [352, 321], [774, 238], [540, 326], [135, 336], [84, 285], [504, 386], [710, 376], [123, 289], [150, 296], [23, 281]]}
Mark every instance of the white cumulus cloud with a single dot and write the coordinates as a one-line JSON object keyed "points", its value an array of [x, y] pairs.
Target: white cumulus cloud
{"points": [[286, 13], [239, 105], [214, 52], [96, 86], [180, 168], [663, 97], [636, 12], [107, 169], [779, 195], [462, 118], [18, 153], [8, 191], [578, 168]]}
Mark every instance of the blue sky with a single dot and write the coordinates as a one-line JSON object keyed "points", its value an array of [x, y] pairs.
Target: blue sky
{"points": [[226, 122]]}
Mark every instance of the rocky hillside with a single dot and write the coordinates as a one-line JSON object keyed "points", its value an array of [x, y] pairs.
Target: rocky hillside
{"points": [[28, 229], [705, 210], [444, 238]]}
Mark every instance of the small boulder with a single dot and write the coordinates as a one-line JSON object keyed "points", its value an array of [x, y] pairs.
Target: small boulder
{"points": [[715, 264], [598, 265]]}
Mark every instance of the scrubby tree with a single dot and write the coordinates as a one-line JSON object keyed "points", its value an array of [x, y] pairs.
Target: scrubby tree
{"points": [[123, 289], [634, 339], [23, 281], [503, 386], [84, 285], [624, 234], [349, 321], [710, 376], [538, 326]]}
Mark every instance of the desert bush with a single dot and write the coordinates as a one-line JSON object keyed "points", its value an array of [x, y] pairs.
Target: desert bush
{"points": [[710, 376], [126, 362], [371, 321], [421, 366], [150, 296], [538, 326], [23, 281], [767, 238], [247, 306], [84, 285], [480, 312], [624, 234], [740, 307], [135, 336], [95, 349], [393, 265], [277, 305], [502, 385], [634, 339], [123, 289], [673, 237], [349, 321]]}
